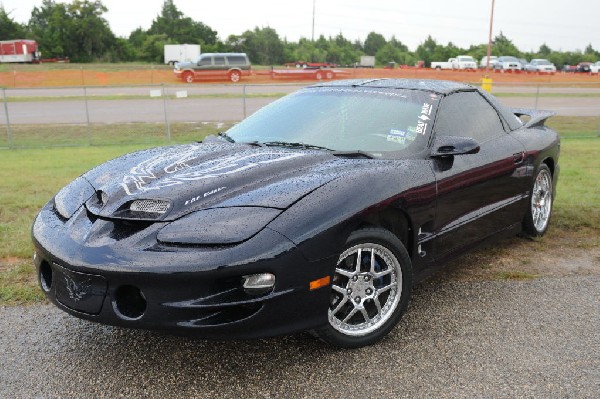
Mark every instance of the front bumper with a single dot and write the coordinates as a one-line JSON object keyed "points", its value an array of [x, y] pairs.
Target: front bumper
{"points": [[132, 281]]}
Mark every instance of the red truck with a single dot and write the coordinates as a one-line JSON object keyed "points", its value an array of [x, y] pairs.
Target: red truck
{"points": [[20, 50]]}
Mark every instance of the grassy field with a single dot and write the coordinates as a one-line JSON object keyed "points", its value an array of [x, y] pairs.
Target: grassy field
{"points": [[30, 177]]}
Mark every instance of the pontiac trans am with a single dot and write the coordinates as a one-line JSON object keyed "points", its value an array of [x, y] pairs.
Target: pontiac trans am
{"points": [[319, 212]]}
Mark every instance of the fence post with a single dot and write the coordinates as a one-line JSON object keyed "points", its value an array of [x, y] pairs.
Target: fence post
{"points": [[167, 126], [537, 96], [88, 127], [8, 130], [244, 98]]}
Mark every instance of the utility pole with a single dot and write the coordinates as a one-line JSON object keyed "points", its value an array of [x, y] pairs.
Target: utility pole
{"points": [[489, 48], [313, 25]]}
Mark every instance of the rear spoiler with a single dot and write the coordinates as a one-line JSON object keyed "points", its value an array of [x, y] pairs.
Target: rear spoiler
{"points": [[536, 117]]}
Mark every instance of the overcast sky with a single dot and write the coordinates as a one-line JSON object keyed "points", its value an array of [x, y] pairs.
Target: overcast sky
{"points": [[561, 24]]}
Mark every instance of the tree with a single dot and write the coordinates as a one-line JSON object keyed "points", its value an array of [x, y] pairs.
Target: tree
{"points": [[181, 29], [76, 30], [373, 43], [263, 46], [501, 45], [9, 29]]}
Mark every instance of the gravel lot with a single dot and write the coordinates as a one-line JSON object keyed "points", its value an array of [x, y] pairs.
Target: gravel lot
{"points": [[534, 338]]}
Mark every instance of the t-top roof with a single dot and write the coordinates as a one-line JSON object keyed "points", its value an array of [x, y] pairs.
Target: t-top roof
{"points": [[436, 86]]}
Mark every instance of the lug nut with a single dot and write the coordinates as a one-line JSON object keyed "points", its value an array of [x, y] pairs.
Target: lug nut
{"points": [[357, 299], [369, 291], [349, 291], [367, 278], [355, 278]]}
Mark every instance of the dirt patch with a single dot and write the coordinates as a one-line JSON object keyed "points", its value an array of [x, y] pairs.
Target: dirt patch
{"points": [[559, 253], [84, 77]]}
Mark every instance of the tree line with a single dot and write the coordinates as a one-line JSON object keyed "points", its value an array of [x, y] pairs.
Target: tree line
{"points": [[78, 30]]}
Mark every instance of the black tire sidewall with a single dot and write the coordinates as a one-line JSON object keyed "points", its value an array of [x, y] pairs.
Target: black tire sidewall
{"points": [[528, 224]]}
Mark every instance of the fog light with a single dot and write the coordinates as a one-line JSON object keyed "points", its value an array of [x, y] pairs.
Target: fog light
{"points": [[261, 283]]}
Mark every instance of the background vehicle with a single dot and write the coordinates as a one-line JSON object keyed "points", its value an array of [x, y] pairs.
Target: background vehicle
{"points": [[508, 63], [460, 62], [540, 65], [25, 51], [216, 66], [366, 61], [595, 68], [175, 53], [317, 212], [584, 67], [493, 61]]}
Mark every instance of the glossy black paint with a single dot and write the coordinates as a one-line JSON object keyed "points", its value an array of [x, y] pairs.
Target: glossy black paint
{"points": [[239, 209]]}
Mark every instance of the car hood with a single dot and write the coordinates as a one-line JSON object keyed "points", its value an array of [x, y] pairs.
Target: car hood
{"points": [[210, 175]]}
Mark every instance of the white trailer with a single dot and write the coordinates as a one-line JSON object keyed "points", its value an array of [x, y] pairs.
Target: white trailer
{"points": [[367, 61], [175, 53]]}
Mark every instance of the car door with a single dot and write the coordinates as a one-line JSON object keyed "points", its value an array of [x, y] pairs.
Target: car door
{"points": [[203, 67], [477, 194]]}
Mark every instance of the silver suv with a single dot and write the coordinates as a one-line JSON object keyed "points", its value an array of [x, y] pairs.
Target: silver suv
{"points": [[216, 66]]}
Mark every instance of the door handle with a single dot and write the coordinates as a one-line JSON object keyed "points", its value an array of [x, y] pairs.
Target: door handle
{"points": [[519, 157]]}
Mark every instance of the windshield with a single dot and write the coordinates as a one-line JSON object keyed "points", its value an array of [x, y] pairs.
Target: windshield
{"points": [[345, 119]]}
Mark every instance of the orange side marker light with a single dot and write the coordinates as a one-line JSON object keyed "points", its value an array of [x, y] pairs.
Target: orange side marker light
{"points": [[322, 282]]}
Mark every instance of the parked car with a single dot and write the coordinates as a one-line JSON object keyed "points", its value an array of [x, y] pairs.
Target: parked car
{"points": [[318, 212], [540, 65], [595, 68], [493, 61], [584, 67], [508, 63], [215, 66], [460, 62]]}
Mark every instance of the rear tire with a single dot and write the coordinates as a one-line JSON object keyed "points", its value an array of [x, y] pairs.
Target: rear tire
{"points": [[188, 77], [371, 288], [537, 219]]}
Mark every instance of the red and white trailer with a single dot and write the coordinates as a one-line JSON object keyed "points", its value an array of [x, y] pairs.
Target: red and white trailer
{"points": [[20, 50]]}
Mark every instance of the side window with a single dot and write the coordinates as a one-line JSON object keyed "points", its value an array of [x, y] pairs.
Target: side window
{"points": [[204, 61], [236, 60], [219, 59], [470, 115]]}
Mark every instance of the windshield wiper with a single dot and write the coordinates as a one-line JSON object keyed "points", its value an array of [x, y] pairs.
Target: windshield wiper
{"points": [[226, 137], [296, 145], [353, 154]]}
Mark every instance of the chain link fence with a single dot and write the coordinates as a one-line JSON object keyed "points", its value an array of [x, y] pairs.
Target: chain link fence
{"points": [[86, 115]]}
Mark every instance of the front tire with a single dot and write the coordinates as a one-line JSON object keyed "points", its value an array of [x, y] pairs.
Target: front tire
{"points": [[235, 76], [538, 214], [371, 288]]}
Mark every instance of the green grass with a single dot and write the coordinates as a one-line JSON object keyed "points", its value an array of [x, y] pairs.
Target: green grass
{"points": [[30, 177], [32, 136]]}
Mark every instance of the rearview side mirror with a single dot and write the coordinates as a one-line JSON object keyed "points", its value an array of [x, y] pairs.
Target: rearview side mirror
{"points": [[444, 146]]}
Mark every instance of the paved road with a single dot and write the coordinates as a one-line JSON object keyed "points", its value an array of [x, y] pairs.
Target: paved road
{"points": [[217, 108], [537, 338]]}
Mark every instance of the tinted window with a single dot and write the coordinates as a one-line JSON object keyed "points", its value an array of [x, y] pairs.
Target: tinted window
{"points": [[205, 61], [236, 60], [345, 119], [219, 60], [470, 115]]}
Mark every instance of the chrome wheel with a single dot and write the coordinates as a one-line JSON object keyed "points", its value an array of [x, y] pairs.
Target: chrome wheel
{"points": [[541, 200], [366, 289]]}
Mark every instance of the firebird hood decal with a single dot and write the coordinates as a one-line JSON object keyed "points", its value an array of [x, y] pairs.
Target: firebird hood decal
{"points": [[200, 176], [141, 177]]}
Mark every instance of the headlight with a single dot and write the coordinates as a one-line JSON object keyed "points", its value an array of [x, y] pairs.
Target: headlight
{"points": [[218, 226], [72, 196]]}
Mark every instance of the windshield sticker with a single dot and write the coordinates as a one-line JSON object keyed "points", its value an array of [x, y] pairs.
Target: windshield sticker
{"points": [[424, 118], [397, 136]]}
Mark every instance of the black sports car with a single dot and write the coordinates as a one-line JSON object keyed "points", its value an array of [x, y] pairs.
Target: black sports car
{"points": [[318, 212]]}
